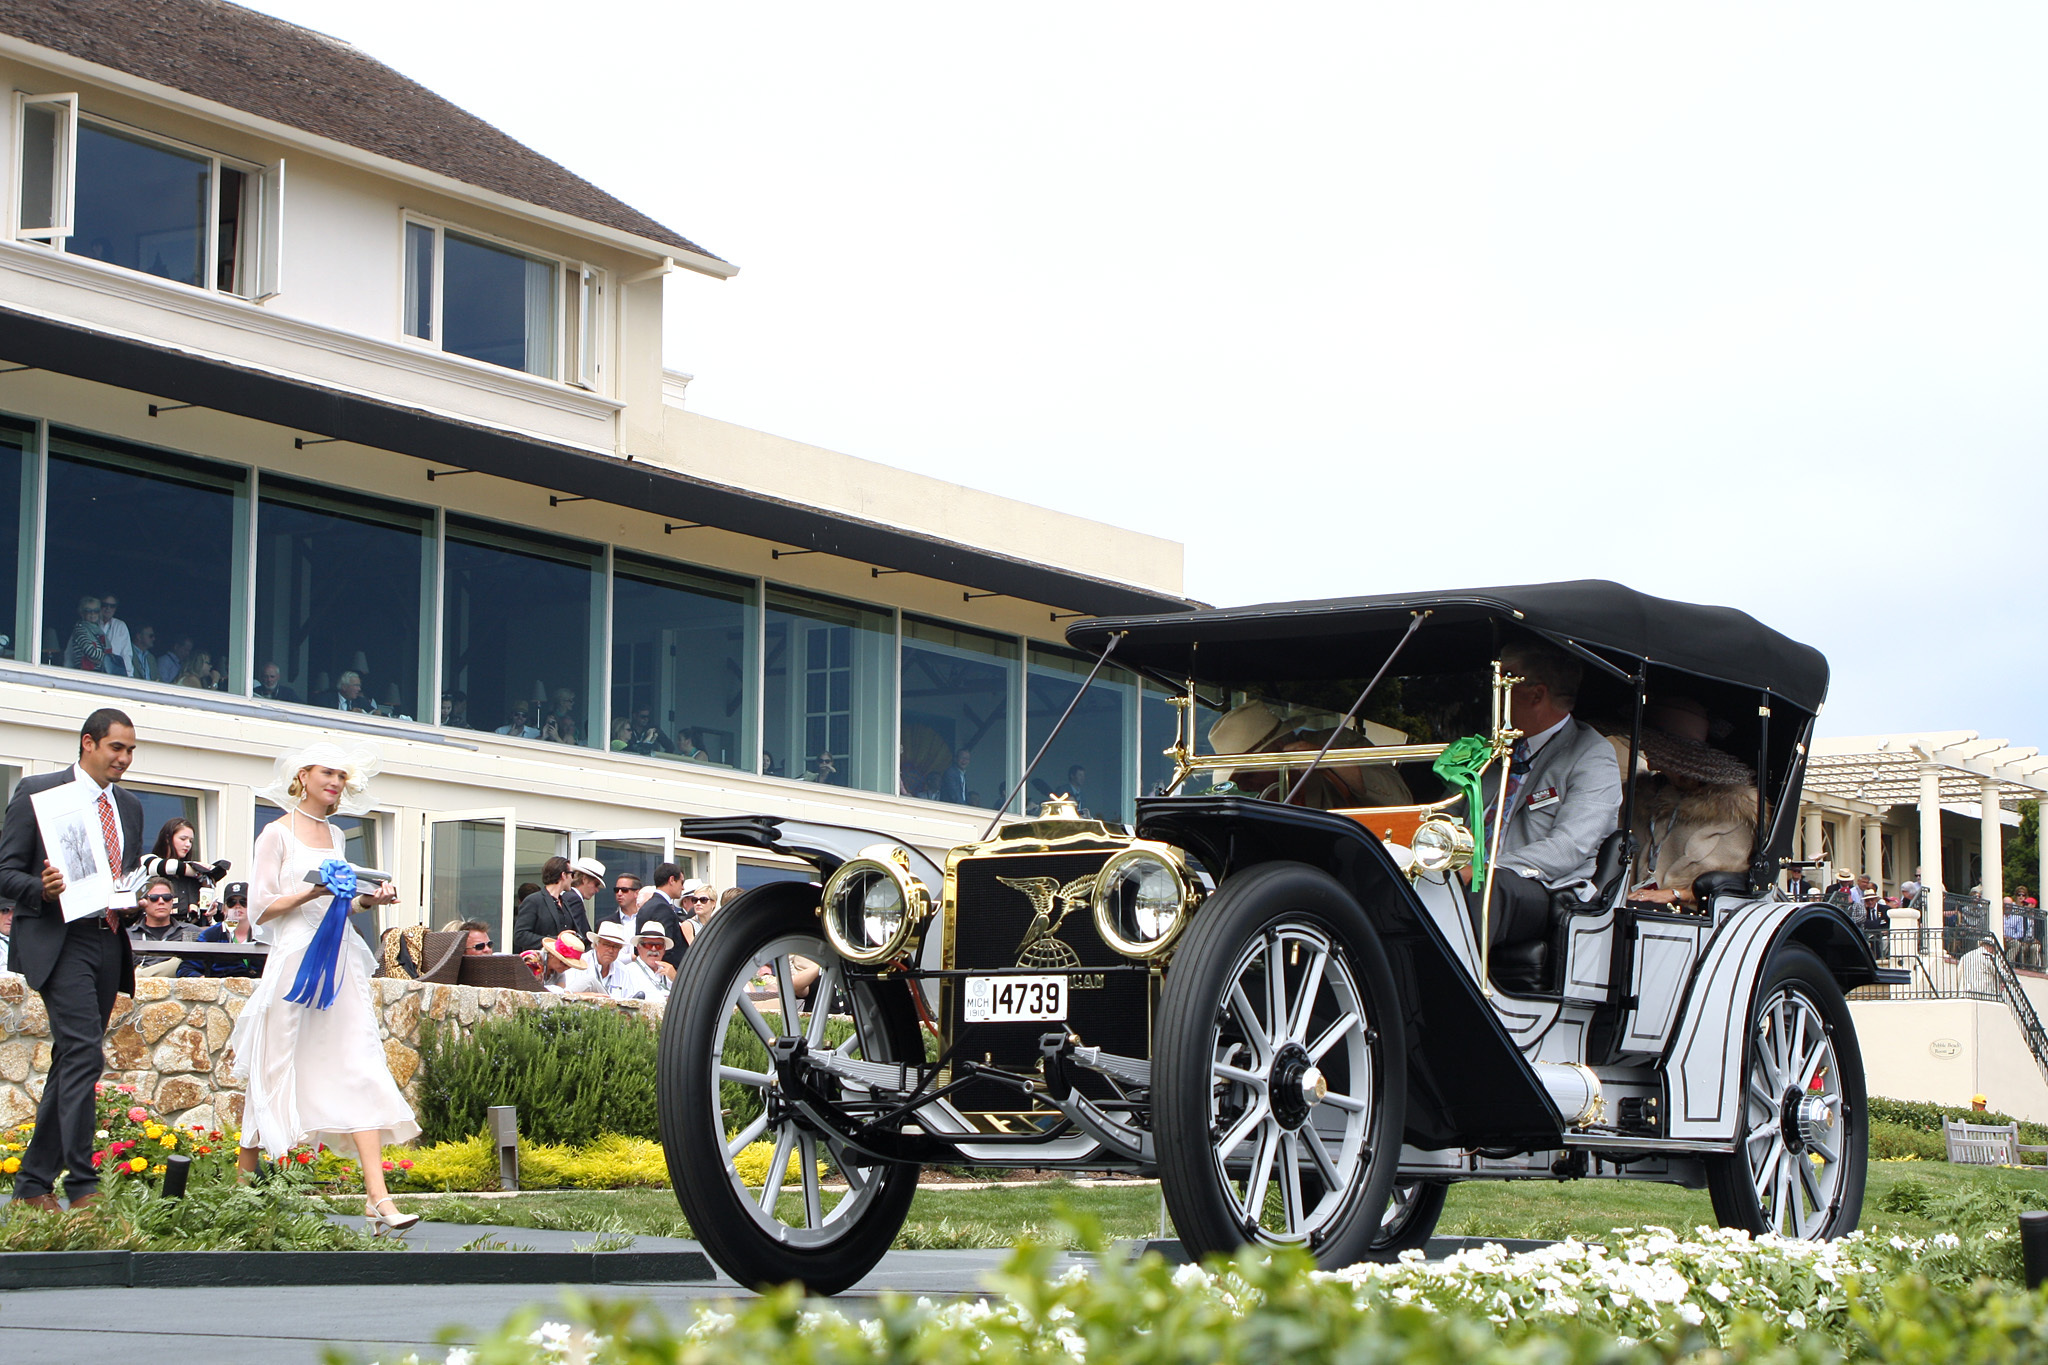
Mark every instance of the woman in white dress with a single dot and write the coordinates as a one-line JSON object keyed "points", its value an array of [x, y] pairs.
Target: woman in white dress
{"points": [[316, 1074]]}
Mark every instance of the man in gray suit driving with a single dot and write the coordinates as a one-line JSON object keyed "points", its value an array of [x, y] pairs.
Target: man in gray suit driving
{"points": [[1563, 793]]}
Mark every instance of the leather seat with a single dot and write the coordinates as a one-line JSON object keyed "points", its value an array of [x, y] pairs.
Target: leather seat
{"points": [[1526, 965]]}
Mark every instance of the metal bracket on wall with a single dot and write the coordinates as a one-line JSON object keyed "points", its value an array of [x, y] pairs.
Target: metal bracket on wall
{"points": [[791, 554], [17, 369], [556, 499], [874, 572], [669, 528], [301, 442], [1067, 615], [157, 408], [433, 474], [974, 596]]}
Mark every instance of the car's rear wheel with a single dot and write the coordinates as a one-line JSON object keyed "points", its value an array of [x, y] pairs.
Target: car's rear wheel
{"points": [[712, 1110], [1279, 1071], [1411, 1217], [1800, 1161]]}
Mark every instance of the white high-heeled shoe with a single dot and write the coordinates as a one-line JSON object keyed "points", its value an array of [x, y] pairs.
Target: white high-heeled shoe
{"points": [[395, 1223]]}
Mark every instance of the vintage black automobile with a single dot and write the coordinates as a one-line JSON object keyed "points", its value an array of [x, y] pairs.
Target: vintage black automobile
{"points": [[1278, 994]]}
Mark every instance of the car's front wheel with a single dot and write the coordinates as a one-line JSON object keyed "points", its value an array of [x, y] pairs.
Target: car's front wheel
{"points": [[1279, 1070], [718, 1101], [1799, 1164]]}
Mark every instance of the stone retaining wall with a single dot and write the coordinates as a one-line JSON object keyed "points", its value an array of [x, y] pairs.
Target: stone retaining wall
{"points": [[170, 1041]]}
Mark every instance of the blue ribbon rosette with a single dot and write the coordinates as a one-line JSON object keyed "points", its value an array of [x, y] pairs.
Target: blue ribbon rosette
{"points": [[320, 970]]}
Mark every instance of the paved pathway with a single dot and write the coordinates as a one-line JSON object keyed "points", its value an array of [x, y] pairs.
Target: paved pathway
{"points": [[292, 1326]]}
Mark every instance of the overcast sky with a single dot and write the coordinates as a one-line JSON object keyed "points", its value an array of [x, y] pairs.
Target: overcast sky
{"points": [[1743, 305]]}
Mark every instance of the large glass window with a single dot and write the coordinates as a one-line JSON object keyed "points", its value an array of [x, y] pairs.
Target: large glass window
{"points": [[959, 714], [344, 598], [1091, 759], [179, 213], [482, 300], [682, 664], [829, 681], [159, 535], [142, 205], [520, 612], [17, 446], [159, 808]]}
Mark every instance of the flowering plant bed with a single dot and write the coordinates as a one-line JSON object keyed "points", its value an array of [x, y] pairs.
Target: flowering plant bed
{"points": [[1646, 1297]]}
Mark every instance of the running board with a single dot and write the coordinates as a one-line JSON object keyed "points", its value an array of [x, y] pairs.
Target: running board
{"points": [[1616, 1142]]}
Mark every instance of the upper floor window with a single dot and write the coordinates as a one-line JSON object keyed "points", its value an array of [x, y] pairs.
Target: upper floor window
{"points": [[97, 189], [498, 304]]}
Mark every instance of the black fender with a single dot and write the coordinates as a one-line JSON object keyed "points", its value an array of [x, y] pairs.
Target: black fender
{"points": [[1468, 1084]]}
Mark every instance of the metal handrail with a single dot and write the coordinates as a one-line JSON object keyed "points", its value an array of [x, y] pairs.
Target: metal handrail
{"points": [[2023, 1011]]}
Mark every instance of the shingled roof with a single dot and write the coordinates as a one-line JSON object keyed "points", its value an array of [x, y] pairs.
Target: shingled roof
{"points": [[291, 75]]}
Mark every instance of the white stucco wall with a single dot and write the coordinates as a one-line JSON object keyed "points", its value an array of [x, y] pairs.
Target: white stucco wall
{"points": [[1948, 1050], [776, 465]]}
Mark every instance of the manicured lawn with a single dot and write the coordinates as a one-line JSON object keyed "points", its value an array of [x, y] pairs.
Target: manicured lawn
{"points": [[1915, 1198]]}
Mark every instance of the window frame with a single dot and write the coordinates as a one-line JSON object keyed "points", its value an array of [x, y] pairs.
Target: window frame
{"points": [[259, 257], [580, 312]]}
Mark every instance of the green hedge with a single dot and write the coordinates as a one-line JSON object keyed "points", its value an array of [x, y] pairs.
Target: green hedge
{"points": [[1926, 1117], [574, 1072]]}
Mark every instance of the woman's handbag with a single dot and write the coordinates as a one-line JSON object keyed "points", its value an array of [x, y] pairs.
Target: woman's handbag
{"points": [[422, 954]]}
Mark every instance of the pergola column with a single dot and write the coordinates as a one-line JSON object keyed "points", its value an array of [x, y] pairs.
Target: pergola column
{"points": [[1815, 843], [1991, 842], [1873, 850], [1930, 844]]}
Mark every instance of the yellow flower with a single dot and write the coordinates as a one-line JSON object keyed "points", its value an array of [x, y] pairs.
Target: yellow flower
{"points": [[138, 1165], [150, 1130], [156, 1170], [11, 1165], [169, 1139]]}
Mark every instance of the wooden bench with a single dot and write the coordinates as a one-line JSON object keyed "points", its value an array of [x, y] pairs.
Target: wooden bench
{"points": [[1986, 1144]]}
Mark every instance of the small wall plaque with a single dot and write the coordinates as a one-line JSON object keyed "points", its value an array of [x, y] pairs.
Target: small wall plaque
{"points": [[1945, 1048]]}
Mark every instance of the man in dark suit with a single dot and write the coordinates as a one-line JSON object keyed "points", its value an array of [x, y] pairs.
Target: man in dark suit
{"points": [[77, 965], [660, 906]]}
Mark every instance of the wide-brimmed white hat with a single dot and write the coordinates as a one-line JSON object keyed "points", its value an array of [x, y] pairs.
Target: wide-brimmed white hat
{"points": [[611, 931], [359, 762]]}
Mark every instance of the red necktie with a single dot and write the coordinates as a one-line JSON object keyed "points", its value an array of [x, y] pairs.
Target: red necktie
{"points": [[113, 838]]}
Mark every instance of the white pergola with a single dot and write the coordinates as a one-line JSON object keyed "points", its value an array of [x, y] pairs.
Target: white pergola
{"points": [[1865, 777]]}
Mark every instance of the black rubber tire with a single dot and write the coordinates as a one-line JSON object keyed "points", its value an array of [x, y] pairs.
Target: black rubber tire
{"points": [[1410, 1226], [693, 1135], [1792, 967], [1271, 898]]}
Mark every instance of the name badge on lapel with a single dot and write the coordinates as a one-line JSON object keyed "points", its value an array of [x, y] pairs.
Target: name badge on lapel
{"points": [[1544, 799]]}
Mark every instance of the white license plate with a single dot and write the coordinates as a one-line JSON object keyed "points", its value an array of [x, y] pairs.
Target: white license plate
{"points": [[999, 999]]}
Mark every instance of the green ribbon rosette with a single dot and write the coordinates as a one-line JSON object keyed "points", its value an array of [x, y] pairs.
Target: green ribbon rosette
{"points": [[1460, 765]]}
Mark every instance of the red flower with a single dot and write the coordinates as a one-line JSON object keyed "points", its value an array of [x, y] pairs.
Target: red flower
{"points": [[305, 1158], [405, 1165], [97, 1158]]}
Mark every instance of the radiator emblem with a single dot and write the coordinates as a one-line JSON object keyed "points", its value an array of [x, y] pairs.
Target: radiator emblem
{"points": [[1051, 903]]}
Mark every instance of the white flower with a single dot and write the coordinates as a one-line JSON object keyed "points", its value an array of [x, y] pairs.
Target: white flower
{"points": [[1690, 1314], [1796, 1320], [1947, 1241], [1070, 1341], [460, 1355], [1718, 1292]]}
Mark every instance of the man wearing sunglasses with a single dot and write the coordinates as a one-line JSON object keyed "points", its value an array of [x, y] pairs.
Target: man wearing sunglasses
{"points": [[159, 924]]}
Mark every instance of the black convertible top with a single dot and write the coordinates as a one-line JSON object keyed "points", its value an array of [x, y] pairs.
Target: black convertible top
{"points": [[1350, 636]]}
